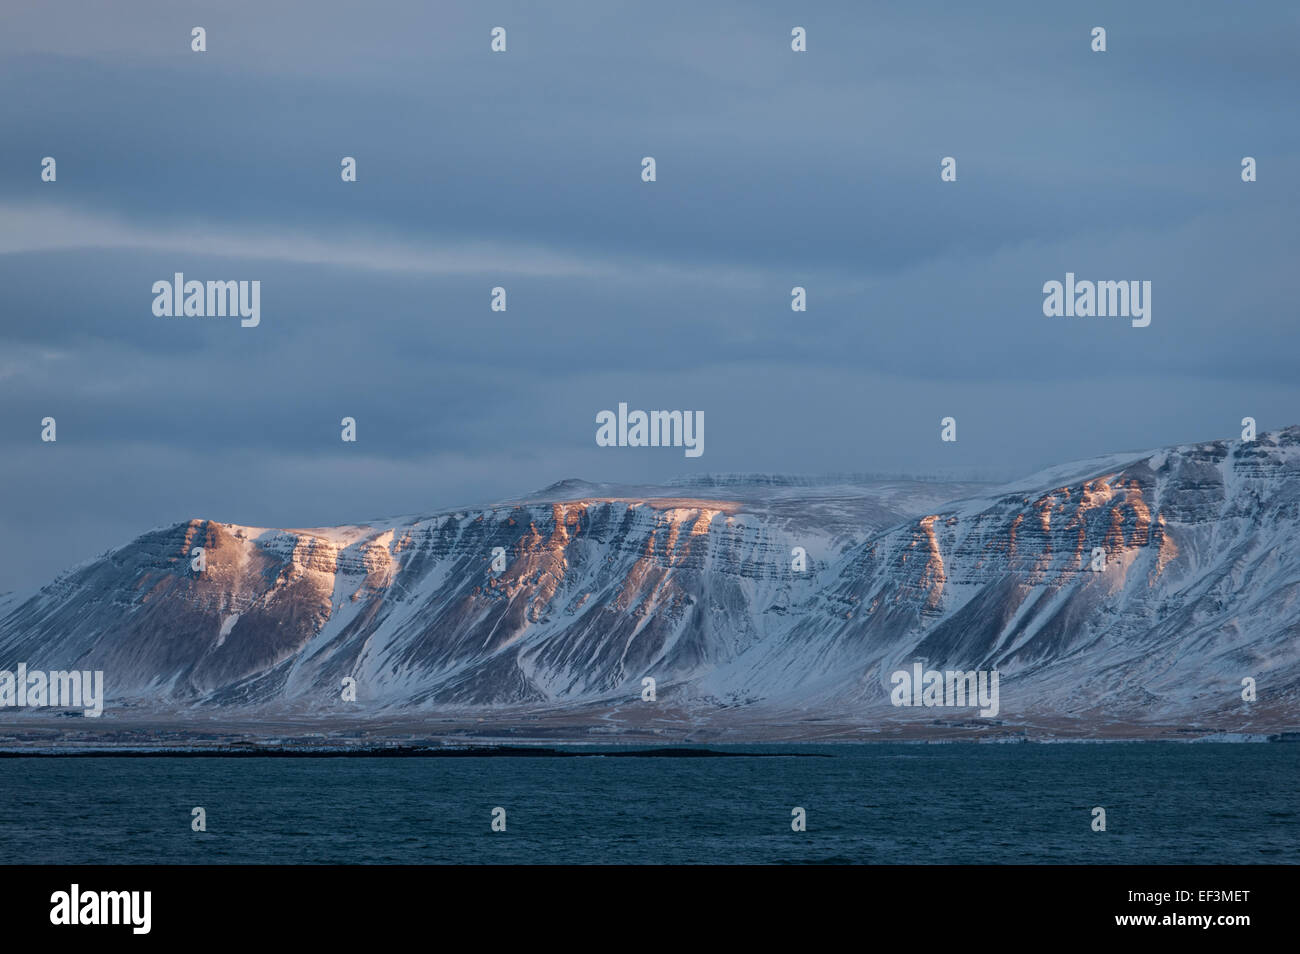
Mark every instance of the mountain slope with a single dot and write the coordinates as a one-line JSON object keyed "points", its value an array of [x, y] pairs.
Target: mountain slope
{"points": [[694, 585]]}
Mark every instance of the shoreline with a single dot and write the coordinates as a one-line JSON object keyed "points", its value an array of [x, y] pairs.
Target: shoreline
{"points": [[604, 749]]}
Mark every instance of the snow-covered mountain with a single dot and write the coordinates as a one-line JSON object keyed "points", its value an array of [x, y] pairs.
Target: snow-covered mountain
{"points": [[696, 585]]}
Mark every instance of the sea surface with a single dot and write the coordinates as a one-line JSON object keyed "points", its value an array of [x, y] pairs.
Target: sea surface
{"points": [[1165, 803]]}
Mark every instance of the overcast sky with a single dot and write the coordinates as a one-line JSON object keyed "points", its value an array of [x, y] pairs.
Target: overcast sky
{"points": [[523, 169]]}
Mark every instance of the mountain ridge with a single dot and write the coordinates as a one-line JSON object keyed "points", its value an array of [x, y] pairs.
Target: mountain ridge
{"points": [[1199, 590]]}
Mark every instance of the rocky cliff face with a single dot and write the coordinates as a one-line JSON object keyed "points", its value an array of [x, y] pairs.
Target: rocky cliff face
{"points": [[1137, 586]]}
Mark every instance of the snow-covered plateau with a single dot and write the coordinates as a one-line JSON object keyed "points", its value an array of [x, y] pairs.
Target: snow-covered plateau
{"points": [[698, 586]]}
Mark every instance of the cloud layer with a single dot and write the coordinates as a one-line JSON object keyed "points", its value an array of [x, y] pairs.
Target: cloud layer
{"points": [[522, 170]]}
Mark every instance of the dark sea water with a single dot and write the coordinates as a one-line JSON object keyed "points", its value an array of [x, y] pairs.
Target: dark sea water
{"points": [[878, 804]]}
